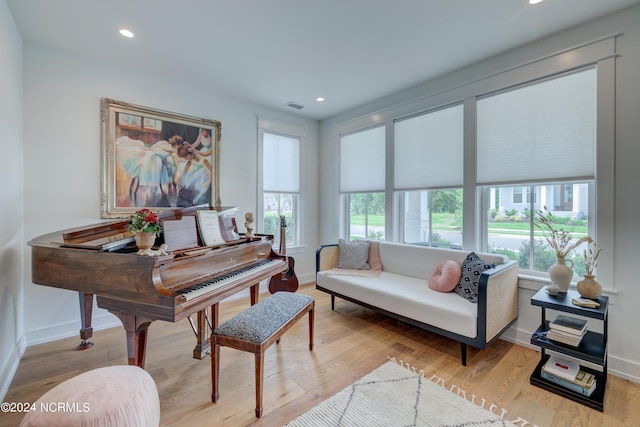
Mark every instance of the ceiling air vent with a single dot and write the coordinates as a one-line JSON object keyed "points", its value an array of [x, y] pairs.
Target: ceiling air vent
{"points": [[294, 105]]}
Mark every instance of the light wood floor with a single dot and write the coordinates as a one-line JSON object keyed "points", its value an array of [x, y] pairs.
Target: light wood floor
{"points": [[349, 343]]}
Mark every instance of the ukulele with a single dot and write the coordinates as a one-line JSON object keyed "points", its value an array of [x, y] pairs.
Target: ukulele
{"points": [[287, 280]]}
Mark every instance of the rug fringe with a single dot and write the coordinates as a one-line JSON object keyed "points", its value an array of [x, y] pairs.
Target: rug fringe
{"points": [[462, 393]]}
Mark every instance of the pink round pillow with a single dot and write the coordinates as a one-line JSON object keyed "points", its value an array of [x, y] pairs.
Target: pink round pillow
{"points": [[446, 276]]}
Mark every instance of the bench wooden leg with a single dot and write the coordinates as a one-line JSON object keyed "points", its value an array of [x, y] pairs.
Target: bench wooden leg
{"points": [[259, 378], [215, 369]]}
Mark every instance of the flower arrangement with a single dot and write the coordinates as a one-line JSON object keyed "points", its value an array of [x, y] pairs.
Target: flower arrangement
{"points": [[145, 221], [591, 255], [559, 240]]}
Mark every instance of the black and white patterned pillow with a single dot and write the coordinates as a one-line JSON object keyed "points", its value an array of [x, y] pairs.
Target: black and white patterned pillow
{"points": [[472, 268], [354, 254]]}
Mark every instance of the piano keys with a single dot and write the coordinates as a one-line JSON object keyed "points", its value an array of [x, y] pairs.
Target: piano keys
{"points": [[194, 291], [94, 260]]}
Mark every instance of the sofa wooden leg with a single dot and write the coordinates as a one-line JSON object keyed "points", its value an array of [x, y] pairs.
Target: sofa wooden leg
{"points": [[333, 302], [311, 322], [463, 351]]}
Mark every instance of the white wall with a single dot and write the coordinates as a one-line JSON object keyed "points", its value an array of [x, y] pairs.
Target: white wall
{"points": [[12, 245], [62, 161], [624, 347]]}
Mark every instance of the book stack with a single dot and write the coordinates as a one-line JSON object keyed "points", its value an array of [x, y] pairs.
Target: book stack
{"points": [[568, 374], [567, 330]]}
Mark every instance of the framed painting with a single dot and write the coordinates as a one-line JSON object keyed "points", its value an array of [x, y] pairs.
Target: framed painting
{"points": [[157, 160]]}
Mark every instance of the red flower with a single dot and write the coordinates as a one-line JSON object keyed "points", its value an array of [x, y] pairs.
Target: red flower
{"points": [[145, 221]]}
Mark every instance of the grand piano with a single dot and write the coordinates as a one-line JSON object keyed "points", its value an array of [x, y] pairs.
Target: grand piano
{"points": [[101, 260]]}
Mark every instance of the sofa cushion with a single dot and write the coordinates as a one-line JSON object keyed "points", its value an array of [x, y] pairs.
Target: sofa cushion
{"points": [[354, 254], [472, 268], [409, 297], [446, 276]]}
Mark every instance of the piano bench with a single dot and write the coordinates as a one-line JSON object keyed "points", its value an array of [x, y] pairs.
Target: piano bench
{"points": [[255, 329]]}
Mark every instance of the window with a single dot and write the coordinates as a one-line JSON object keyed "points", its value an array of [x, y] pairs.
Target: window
{"points": [[366, 216], [428, 153], [540, 132], [433, 218], [362, 183], [517, 195], [511, 230], [523, 195], [280, 176]]}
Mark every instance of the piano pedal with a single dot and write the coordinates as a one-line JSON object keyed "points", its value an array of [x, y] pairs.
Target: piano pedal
{"points": [[84, 345]]}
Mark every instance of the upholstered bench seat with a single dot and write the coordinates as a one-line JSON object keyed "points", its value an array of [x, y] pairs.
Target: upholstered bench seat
{"points": [[255, 329]]}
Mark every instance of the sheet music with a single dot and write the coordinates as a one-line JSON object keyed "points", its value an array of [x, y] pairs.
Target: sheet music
{"points": [[209, 226]]}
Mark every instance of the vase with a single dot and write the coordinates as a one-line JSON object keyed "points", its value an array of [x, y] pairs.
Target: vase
{"points": [[589, 287], [561, 274], [145, 240]]}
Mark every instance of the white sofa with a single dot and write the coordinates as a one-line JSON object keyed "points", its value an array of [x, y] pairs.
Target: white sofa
{"points": [[401, 291]]}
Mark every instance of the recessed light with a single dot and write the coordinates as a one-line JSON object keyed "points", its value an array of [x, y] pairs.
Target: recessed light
{"points": [[535, 1], [126, 33], [320, 99]]}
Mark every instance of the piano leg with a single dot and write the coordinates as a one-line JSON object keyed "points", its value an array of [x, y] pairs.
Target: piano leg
{"points": [[136, 328], [203, 346], [214, 316], [86, 331]]}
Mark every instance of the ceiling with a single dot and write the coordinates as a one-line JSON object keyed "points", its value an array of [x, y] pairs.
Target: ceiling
{"points": [[272, 52]]}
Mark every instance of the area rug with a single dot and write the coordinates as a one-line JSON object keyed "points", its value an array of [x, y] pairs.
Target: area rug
{"points": [[395, 395]]}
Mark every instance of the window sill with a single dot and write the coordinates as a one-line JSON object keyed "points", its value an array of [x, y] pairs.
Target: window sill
{"points": [[535, 283], [291, 250]]}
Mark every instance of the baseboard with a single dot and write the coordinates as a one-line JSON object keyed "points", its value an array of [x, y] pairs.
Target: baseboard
{"points": [[10, 368], [305, 279], [70, 329], [617, 366]]}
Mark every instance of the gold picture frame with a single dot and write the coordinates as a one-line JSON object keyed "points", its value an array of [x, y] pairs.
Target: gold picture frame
{"points": [[157, 160]]}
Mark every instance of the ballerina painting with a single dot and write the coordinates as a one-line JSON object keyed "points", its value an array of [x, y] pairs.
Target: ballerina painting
{"points": [[158, 162]]}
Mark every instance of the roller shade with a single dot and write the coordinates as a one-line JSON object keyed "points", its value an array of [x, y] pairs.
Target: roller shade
{"points": [[544, 131], [281, 168], [428, 150], [362, 161]]}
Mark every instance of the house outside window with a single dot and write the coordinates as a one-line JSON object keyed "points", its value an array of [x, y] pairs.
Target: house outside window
{"points": [[523, 195]]}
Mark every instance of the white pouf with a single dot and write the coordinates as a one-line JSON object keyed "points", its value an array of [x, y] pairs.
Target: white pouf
{"points": [[109, 396]]}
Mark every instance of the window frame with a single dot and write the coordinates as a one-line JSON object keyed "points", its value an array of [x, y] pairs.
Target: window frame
{"points": [[276, 127], [347, 197], [402, 198], [531, 206]]}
